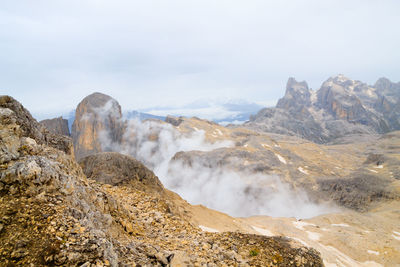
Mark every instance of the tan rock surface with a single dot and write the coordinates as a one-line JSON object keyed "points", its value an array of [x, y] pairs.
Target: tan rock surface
{"points": [[114, 168], [97, 116]]}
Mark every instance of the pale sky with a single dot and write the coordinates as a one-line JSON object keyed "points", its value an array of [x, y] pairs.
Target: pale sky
{"points": [[169, 52]]}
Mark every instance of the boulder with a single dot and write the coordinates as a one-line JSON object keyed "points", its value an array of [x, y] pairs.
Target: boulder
{"points": [[114, 168]]}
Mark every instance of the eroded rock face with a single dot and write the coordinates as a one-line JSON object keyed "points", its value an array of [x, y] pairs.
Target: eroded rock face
{"points": [[297, 93], [14, 111], [339, 108], [97, 123], [114, 168], [57, 126]]}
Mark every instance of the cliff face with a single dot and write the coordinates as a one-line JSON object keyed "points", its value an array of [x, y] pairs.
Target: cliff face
{"points": [[297, 94], [97, 116], [57, 126], [340, 107]]}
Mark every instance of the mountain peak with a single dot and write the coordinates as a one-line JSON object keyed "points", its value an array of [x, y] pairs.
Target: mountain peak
{"points": [[292, 83], [95, 114], [297, 93], [383, 83]]}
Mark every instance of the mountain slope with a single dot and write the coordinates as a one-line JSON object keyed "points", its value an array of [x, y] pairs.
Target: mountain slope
{"points": [[52, 214], [341, 107]]}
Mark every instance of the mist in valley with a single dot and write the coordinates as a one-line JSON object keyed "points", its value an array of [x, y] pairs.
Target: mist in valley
{"points": [[237, 193]]}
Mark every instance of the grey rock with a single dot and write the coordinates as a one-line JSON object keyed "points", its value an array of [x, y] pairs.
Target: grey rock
{"points": [[173, 120], [57, 126], [114, 168], [341, 107], [31, 128]]}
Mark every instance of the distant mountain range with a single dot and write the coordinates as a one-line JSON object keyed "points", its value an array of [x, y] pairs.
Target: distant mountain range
{"points": [[341, 107], [224, 112], [230, 112]]}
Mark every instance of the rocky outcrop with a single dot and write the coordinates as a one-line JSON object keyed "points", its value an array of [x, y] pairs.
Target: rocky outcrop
{"points": [[388, 102], [51, 214], [297, 94], [31, 128], [339, 108], [115, 169], [359, 191], [173, 120], [97, 125], [57, 126]]}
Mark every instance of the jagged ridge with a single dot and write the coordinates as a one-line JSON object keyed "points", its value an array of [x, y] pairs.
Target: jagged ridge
{"points": [[340, 107]]}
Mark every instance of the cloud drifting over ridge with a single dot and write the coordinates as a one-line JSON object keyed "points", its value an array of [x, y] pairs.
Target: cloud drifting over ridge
{"points": [[149, 53], [238, 193]]}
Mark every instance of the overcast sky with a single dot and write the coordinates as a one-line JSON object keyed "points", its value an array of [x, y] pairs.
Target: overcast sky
{"points": [[170, 53]]}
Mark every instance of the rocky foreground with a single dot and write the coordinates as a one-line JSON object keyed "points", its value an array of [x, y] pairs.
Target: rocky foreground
{"points": [[52, 214]]}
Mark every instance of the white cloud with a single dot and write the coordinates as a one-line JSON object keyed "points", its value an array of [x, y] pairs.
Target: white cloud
{"points": [[238, 193]]}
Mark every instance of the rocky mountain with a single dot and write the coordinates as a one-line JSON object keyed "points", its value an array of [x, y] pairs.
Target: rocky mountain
{"points": [[133, 114], [52, 214], [57, 126], [361, 175], [233, 111], [97, 116], [110, 209], [335, 173], [341, 107]]}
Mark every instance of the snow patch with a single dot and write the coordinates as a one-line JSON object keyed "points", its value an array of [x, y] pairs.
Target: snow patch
{"points": [[302, 170], [379, 167], [344, 260], [263, 231], [396, 235], [340, 224], [265, 146], [370, 92], [281, 159], [301, 224], [208, 229], [313, 236], [372, 171]]}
